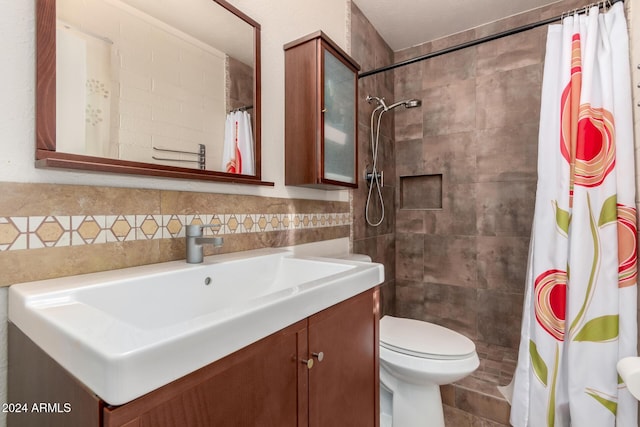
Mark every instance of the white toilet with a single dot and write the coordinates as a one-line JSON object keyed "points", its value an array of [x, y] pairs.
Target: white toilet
{"points": [[415, 359]]}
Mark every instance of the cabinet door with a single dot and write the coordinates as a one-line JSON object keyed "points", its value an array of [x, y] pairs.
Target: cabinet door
{"points": [[339, 127], [343, 387], [256, 386]]}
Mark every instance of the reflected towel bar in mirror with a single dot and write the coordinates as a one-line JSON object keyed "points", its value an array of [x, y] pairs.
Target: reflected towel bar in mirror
{"points": [[202, 153]]}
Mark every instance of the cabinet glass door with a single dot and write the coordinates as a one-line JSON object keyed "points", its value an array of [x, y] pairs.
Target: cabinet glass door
{"points": [[339, 120]]}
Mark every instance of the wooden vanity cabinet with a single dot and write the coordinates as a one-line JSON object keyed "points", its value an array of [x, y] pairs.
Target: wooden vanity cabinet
{"points": [[268, 383], [258, 382], [344, 386], [321, 101]]}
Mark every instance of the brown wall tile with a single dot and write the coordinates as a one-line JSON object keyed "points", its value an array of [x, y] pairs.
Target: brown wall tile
{"points": [[482, 405], [456, 218], [449, 109], [183, 202], [409, 156], [516, 51], [453, 155], [505, 208], [451, 306], [454, 417], [499, 317], [410, 221], [409, 256], [449, 68], [507, 154], [502, 263], [509, 98], [24, 199], [409, 299], [450, 260], [48, 263]]}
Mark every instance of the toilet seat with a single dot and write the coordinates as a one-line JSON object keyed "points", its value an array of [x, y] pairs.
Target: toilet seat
{"points": [[423, 339]]}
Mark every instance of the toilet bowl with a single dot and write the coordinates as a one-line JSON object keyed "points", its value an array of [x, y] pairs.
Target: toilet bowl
{"points": [[416, 358]]}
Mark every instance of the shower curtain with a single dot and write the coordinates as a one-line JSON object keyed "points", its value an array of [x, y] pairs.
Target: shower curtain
{"points": [[580, 305], [237, 155], [83, 87]]}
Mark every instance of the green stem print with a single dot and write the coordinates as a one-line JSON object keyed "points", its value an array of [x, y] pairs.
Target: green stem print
{"points": [[594, 269], [609, 211], [600, 329], [551, 412], [604, 399], [563, 219], [539, 367]]}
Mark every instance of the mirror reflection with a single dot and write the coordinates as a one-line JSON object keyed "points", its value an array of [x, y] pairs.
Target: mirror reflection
{"points": [[154, 81]]}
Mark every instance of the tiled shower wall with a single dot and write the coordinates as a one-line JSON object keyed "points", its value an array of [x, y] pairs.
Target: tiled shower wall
{"points": [[371, 51], [474, 143]]}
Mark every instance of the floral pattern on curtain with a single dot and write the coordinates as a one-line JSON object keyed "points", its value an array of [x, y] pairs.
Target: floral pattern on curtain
{"points": [[580, 306]]}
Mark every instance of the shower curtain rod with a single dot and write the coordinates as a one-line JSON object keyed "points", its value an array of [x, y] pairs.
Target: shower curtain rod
{"points": [[484, 39]]}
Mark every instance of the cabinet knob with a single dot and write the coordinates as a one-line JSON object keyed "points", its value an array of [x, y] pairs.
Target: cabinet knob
{"points": [[309, 363], [319, 356]]}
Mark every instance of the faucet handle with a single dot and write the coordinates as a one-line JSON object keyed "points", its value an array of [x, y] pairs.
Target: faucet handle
{"points": [[195, 230]]}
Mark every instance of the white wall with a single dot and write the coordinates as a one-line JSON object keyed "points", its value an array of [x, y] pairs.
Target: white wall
{"points": [[281, 21]]}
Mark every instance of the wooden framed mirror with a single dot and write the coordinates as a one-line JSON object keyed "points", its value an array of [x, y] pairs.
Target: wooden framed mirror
{"points": [[168, 89]]}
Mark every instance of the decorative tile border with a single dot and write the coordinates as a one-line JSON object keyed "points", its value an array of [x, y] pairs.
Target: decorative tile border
{"points": [[33, 232]]}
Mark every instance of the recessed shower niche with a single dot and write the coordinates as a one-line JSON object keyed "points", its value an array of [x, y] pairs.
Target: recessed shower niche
{"points": [[421, 192]]}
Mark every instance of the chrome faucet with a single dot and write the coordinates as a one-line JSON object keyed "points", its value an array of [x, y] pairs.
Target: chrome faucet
{"points": [[195, 242]]}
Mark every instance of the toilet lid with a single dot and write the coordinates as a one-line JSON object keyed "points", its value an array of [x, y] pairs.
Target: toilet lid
{"points": [[423, 339]]}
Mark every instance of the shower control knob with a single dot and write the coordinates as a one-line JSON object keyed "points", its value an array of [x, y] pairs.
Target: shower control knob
{"points": [[319, 356]]}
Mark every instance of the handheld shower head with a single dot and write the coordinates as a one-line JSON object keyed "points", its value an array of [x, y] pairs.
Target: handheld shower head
{"points": [[408, 103], [412, 103]]}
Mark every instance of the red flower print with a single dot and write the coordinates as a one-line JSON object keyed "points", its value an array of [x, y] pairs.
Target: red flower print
{"points": [[627, 246], [551, 301]]}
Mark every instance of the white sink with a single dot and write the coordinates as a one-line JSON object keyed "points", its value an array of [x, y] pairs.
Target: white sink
{"points": [[124, 333]]}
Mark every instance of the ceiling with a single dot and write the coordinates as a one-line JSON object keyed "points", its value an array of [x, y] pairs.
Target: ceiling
{"points": [[406, 23]]}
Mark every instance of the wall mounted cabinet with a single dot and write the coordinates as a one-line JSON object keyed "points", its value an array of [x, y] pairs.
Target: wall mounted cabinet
{"points": [[321, 102], [321, 371]]}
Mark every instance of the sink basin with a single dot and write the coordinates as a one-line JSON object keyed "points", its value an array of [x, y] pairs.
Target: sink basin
{"points": [[124, 333]]}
